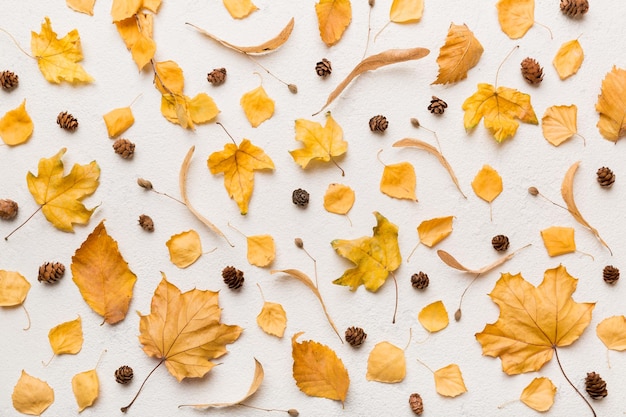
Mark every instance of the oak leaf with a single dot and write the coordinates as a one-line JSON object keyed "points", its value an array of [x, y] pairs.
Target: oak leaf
{"points": [[86, 388], [13, 288], [406, 11], [612, 105], [533, 321], [434, 317], [487, 183], [82, 6], [398, 181], [239, 9], [568, 59], [558, 240], [185, 248], [612, 332], [320, 143], [434, 230], [16, 126], [67, 337], [272, 319], [460, 53], [257, 106], [539, 394], [136, 31], [339, 198], [559, 123], [386, 363], [118, 121], [449, 381], [516, 16], [102, 275], [31, 395], [333, 18]]}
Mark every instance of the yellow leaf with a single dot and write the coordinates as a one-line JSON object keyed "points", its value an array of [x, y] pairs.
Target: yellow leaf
{"points": [[261, 250], [386, 363], [434, 230], [169, 78], [612, 105], [152, 5], [499, 108], [272, 319], [539, 394], [31, 395], [257, 106], [338, 199], [184, 330], [558, 240], [123, 9], [187, 112], [533, 321], [82, 6], [458, 55], [58, 58], [612, 332], [449, 381], [320, 143], [487, 184], [60, 196], [568, 59], [434, 317], [239, 9], [318, 371], [398, 181], [118, 120], [406, 11], [238, 164], [375, 257], [16, 126], [516, 16], [67, 337], [102, 275], [333, 17], [559, 123], [13, 288], [86, 388], [185, 248], [136, 31]]}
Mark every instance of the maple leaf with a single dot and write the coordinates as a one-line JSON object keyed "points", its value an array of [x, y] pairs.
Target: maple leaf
{"points": [[406, 11], [499, 107], [136, 31], [333, 17], [568, 59], [460, 53], [58, 58], [239, 9], [539, 394], [533, 321], [238, 163], [31, 395], [60, 196], [516, 16], [559, 123], [16, 126], [612, 105], [386, 363], [257, 106], [320, 143]]}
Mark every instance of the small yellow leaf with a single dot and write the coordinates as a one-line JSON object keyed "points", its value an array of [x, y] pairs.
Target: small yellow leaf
{"points": [[272, 319], [239, 9], [449, 381], [339, 198], [320, 143], [487, 183], [13, 288], [559, 123], [558, 240], [136, 31], [86, 387], [516, 16], [31, 395], [612, 105], [539, 394], [612, 332], [67, 337], [333, 17], [434, 230], [16, 126], [406, 11], [187, 111], [257, 106], [458, 55], [434, 317], [399, 181], [118, 120], [386, 363], [185, 248], [123, 9], [568, 59], [261, 250], [169, 78], [82, 6]]}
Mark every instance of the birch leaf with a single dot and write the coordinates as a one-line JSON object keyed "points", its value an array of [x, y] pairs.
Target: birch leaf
{"points": [[16, 126], [185, 248], [13, 288], [339, 198], [434, 317], [272, 319], [118, 121], [319, 143], [261, 250], [386, 363], [187, 111], [239, 9], [460, 53], [31, 395], [67, 337], [539, 394], [559, 123], [169, 78], [612, 332], [516, 16], [82, 6], [406, 11], [568, 59], [434, 230], [136, 32], [449, 381], [333, 18], [487, 184], [398, 181], [86, 388], [257, 106], [612, 105]]}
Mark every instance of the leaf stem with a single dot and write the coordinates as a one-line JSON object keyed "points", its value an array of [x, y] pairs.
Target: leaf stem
{"points": [[425, 366], [556, 353], [291, 87], [378, 157], [459, 311], [381, 30], [546, 27], [17, 44], [168, 196], [28, 317], [502, 63], [369, 29], [343, 173], [229, 135], [395, 309], [124, 409], [23, 223]]}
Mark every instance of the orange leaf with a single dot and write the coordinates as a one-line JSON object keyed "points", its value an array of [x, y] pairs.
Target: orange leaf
{"points": [[434, 230], [333, 17], [257, 106], [339, 198], [487, 184], [406, 11], [31, 395], [434, 317], [16, 126], [612, 105], [118, 121], [558, 240], [398, 181], [82, 6], [559, 123], [239, 9], [67, 337], [136, 31], [568, 59], [612, 332], [516, 16], [458, 55], [539, 394]]}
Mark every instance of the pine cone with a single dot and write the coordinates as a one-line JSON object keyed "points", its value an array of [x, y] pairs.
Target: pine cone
{"points": [[416, 403], [9, 80], [217, 76], [574, 8], [300, 197], [355, 336], [378, 123], [606, 177], [67, 121], [595, 386], [437, 105], [51, 272], [500, 243], [610, 274], [123, 374], [146, 223], [232, 277], [532, 71], [323, 68], [420, 280], [8, 209], [124, 148]]}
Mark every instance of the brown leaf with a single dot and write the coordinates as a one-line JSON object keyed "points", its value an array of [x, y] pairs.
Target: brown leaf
{"points": [[612, 105]]}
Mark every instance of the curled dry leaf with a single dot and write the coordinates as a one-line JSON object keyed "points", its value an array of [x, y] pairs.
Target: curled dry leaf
{"points": [[559, 240], [185, 248], [612, 105], [339, 198], [449, 381], [86, 388], [406, 11], [31, 395], [516, 16], [539, 394], [568, 59], [460, 53], [16, 126], [320, 143], [272, 319], [399, 181], [239, 9], [257, 106], [559, 123], [386, 363], [434, 230], [82, 6], [136, 32], [487, 183], [612, 332], [434, 317], [118, 121], [67, 338], [453, 263], [13, 288], [333, 18]]}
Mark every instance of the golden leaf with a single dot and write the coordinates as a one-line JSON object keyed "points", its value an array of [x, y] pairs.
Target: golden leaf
{"points": [[58, 58], [533, 321], [185, 248], [86, 388], [16, 126], [453, 263], [238, 164], [434, 230], [67, 337], [612, 332], [257, 106], [612, 105], [102, 275], [386, 363], [320, 143], [398, 181], [184, 330], [136, 31], [449, 381], [558, 240], [559, 123], [458, 55], [31, 395], [499, 108], [318, 371], [187, 111], [487, 184], [333, 17], [516, 16], [272, 319], [169, 78], [261, 250], [82, 6], [239, 9], [434, 317], [60, 196], [13, 288], [339, 198], [539, 394], [123, 9], [406, 11], [568, 59], [118, 121]]}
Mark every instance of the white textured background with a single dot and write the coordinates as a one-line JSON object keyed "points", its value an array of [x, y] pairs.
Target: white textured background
{"points": [[399, 92]]}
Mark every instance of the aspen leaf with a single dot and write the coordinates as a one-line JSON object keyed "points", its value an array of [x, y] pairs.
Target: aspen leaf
{"points": [[398, 181], [612, 105], [185, 248], [320, 143], [187, 111], [333, 18], [136, 31], [67, 337], [339, 198], [612, 332], [499, 108], [487, 184], [13, 288], [238, 164], [102, 276], [86, 388], [568, 59], [449, 381], [169, 78], [434, 317], [539, 394], [58, 59], [406, 11], [558, 240], [16, 126], [239, 9], [318, 371], [123, 9], [257, 106], [386, 363], [118, 121], [82, 6], [460, 53], [272, 319], [516, 16], [559, 123], [533, 321], [31, 395], [434, 230], [261, 250], [60, 196]]}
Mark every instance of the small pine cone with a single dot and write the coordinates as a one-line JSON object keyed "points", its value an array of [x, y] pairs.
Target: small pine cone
{"points": [[123, 374], [124, 148], [9, 80], [574, 8], [8, 209], [532, 71], [416, 403], [437, 105], [51, 272], [355, 336], [378, 123], [67, 121], [232, 277], [606, 177], [217, 76], [300, 197], [146, 223], [500, 243], [420, 280], [610, 274], [323, 68], [595, 386]]}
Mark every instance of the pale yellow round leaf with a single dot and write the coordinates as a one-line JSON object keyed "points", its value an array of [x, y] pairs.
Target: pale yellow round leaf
{"points": [[67, 337], [539, 394], [13, 288], [516, 16], [434, 317], [261, 250], [16, 126], [558, 240], [559, 123], [86, 387], [272, 319], [612, 332], [399, 181], [31, 395], [406, 11], [568, 59], [185, 248], [487, 183], [339, 198], [449, 381], [257, 106], [386, 363]]}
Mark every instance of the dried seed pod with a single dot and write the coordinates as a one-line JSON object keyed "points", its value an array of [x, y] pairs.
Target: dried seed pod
{"points": [[300, 197], [51, 272], [8, 209], [595, 386], [437, 105], [298, 242], [416, 403], [323, 68], [143, 183], [146, 223], [532, 71], [574, 8], [123, 374], [610, 274], [500, 243], [378, 123], [124, 148], [217, 76], [293, 412], [415, 122], [533, 191], [355, 336], [420, 280], [9, 80], [293, 89], [606, 177], [66, 121], [232, 277]]}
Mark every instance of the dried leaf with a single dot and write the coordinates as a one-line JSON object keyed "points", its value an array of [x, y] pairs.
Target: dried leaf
{"points": [[123, 9], [185, 248], [136, 31], [399, 181], [406, 11], [320, 143], [449, 381], [539, 394], [16, 126], [339, 198], [13, 288], [257, 106], [261, 250], [434, 230], [558, 240], [102, 276], [169, 78], [612, 332], [453, 263], [272, 319], [86, 388], [118, 121], [568, 59], [434, 317], [318, 371], [559, 123], [458, 55], [187, 111], [487, 184], [82, 6], [333, 18], [386, 363], [612, 105], [67, 337], [239, 9], [31, 395], [516, 16]]}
